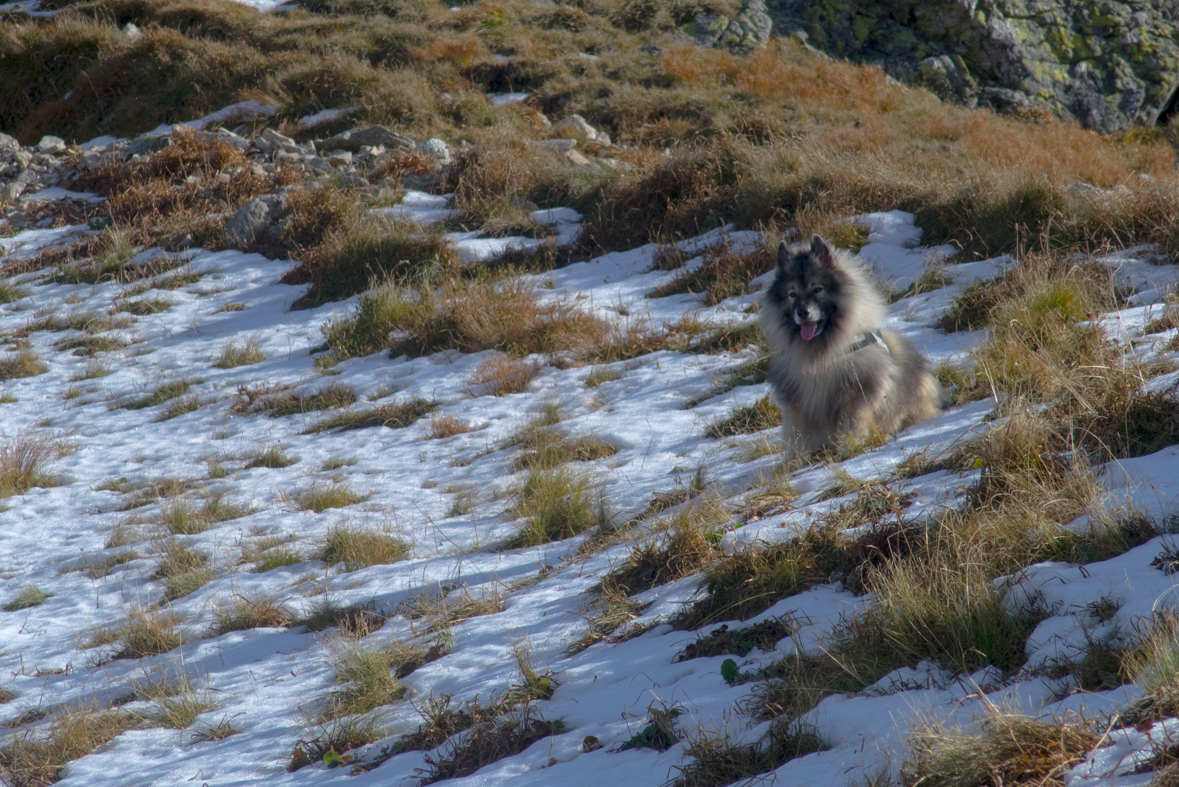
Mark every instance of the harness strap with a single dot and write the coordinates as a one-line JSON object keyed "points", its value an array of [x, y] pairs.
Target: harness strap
{"points": [[867, 339]]}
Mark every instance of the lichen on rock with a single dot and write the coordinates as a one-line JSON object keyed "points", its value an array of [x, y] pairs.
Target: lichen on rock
{"points": [[1107, 64]]}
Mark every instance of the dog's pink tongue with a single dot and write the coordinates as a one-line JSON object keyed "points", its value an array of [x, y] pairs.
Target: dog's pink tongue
{"points": [[808, 330]]}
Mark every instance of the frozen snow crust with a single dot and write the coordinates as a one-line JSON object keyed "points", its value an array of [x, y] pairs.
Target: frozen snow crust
{"points": [[267, 681]]}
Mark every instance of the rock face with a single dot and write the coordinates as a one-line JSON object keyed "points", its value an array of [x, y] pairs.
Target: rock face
{"points": [[1107, 64], [743, 33]]}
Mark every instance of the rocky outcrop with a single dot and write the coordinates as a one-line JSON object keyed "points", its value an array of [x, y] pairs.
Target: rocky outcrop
{"points": [[1107, 64], [747, 30]]}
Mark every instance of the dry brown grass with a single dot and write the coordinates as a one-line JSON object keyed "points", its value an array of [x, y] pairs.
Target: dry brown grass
{"points": [[490, 740], [23, 459], [25, 363], [501, 375], [1009, 749], [37, 758], [249, 611], [725, 272], [444, 426]]}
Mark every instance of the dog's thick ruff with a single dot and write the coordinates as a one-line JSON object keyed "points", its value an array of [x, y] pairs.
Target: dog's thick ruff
{"points": [[831, 381]]}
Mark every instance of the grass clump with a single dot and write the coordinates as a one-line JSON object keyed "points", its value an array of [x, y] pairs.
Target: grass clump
{"points": [[717, 760], [182, 570], [162, 393], [147, 633], [660, 733], [1008, 749], [36, 758], [236, 354], [272, 456], [369, 678], [501, 375], [335, 737], [322, 495], [724, 272], [444, 426], [181, 405], [555, 504], [281, 405], [350, 255], [357, 548], [179, 707], [25, 363], [244, 612], [489, 740], [22, 464], [29, 596], [181, 517], [392, 416], [757, 417], [548, 449]]}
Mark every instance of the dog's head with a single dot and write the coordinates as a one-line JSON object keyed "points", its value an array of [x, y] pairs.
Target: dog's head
{"points": [[807, 290]]}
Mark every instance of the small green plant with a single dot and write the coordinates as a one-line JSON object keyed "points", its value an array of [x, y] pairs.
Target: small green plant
{"points": [[729, 671], [660, 733]]}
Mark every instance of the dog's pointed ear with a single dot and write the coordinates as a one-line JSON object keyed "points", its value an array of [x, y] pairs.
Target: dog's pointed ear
{"points": [[822, 252], [783, 255]]}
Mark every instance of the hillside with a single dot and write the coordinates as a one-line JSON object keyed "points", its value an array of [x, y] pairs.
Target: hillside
{"points": [[399, 415]]}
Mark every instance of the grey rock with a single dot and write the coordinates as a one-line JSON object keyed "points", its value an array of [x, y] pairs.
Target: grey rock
{"points": [[575, 127], [745, 32], [252, 220], [22, 157], [353, 141], [13, 190], [8, 143], [436, 149], [51, 145], [144, 146], [423, 182], [1107, 64], [275, 138], [558, 145]]}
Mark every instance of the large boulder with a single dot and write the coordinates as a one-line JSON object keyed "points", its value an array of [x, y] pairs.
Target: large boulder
{"points": [[742, 33], [1107, 64]]}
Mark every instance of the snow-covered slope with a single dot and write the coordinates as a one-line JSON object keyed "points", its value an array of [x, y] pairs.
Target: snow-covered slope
{"points": [[268, 682]]}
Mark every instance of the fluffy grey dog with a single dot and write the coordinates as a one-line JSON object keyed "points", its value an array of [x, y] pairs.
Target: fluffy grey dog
{"points": [[834, 372]]}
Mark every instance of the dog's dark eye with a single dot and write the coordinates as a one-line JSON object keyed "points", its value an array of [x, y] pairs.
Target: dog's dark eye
{"points": [[816, 290], [789, 295]]}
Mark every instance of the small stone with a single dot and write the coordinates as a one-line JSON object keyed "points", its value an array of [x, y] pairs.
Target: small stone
{"points": [[7, 142], [22, 157], [340, 158], [590, 743], [573, 157], [272, 136], [558, 145]]}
